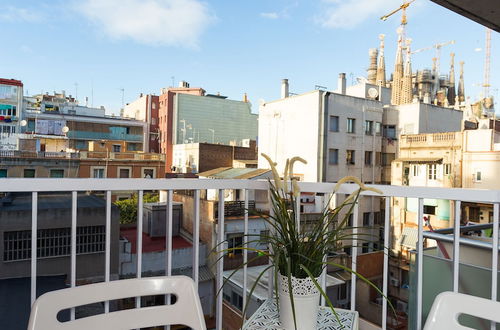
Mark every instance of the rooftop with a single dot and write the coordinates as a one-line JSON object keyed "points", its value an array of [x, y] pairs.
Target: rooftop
{"points": [[152, 244]]}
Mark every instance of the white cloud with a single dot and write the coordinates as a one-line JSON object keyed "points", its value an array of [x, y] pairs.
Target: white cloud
{"points": [[153, 22], [12, 14], [350, 13], [269, 15]]}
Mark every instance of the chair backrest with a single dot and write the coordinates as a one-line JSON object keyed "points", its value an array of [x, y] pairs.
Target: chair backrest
{"points": [[185, 310], [448, 306]]}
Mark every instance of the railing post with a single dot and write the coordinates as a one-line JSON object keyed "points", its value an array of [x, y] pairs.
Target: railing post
{"points": [[494, 258], [74, 196], [354, 254], [456, 246], [420, 261], [220, 263], [387, 251], [34, 229]]}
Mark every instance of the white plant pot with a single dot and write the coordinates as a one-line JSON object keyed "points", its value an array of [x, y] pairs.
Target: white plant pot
{"points": [[305, 300]]}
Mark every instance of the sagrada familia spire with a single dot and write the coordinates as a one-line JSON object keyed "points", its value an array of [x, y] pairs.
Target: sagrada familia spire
{"points": [[451, 87], [380, 79], [461, 85], [398, 71], [372, 69], [407, 84]]}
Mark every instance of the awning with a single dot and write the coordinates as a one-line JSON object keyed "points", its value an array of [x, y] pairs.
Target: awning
{"points": [[484, 12], [409, 238], [424, 160]]}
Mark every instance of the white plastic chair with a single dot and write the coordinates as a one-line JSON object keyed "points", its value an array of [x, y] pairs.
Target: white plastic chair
{"points": [[448, 306], [186, 310]]}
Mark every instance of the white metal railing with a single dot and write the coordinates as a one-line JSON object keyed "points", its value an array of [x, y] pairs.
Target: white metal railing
{"points": [[35, 186]]}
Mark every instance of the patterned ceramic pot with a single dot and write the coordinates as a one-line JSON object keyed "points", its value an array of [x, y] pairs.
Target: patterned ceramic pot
{"points": [[305, 300]]}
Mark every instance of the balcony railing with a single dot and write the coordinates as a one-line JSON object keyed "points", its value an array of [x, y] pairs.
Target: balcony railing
{"points": [[109, 186], [103, 136], [82, 155]]}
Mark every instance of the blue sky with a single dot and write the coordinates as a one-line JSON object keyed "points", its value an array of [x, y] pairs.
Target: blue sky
{"points": [[226, 46]]}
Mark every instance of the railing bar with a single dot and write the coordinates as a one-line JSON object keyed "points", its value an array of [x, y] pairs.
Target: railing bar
{"points": [[34, 220], [456, 246], [494, 258], [329, 199], [140, 199], [420, 260], [354, 255], [387, 250], [169, 232], [107, 270], [270, 272], [168, 242], [297, 212], [245, 252], [74, 200], [220, 263], [196, 238]]}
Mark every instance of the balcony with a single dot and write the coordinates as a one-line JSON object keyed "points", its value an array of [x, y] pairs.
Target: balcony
{"points": [[82, 135], [83, 260], [82, 155]]}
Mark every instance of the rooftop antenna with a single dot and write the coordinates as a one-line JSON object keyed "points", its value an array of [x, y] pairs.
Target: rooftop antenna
{"points": [[91, 93], [173, 81], [76, 92], [123, 97]]}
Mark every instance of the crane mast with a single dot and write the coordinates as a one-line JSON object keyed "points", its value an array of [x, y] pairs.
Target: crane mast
{"points": [[486, 79]]}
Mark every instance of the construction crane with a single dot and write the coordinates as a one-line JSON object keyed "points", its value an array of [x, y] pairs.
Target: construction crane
{"points": [[438, 50], [487, 51], [404, 21]]}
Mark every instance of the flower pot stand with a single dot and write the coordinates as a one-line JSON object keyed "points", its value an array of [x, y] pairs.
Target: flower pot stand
{"points": [[267, 318]]}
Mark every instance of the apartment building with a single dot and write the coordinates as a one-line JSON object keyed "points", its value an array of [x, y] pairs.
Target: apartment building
{"points": [[11, 104], [190, 115], [146, 108]]}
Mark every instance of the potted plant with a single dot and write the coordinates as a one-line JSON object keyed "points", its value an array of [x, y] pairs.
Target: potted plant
{"points": [[297, 254]]}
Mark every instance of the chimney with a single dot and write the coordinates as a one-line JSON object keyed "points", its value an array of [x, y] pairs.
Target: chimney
{"points": [[245, 98], [284, 88], [341, 85], [183, 84]]}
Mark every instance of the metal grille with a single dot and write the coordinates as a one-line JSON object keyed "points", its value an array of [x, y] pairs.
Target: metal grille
{"points": [[54, 242]]}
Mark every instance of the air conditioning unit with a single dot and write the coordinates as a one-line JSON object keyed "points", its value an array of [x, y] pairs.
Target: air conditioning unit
{"points": [[394, 282]]}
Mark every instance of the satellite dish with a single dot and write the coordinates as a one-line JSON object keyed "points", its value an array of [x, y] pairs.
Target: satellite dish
{"points": [[372, 93], [65, 129]]}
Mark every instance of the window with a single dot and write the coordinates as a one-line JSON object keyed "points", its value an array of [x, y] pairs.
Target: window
{"points": [[474, 213], [53, 242], [57, 173], [117, 148], [342, 293], [390, 131], [334, 123], [29, 173], [429, 209], [378, 158], [368, 158], [378, 128], [366, 218], [387, 158], [234, 241], [431, 171], [124, 173], [3, 172], [350, 220], [350, 157], [368, 127], [333, 156], [415, 169], [477, 176], [447, 169], [237, 300], [351, 125], [148, 173], [365, 248], [98, 172], [377, 218]]}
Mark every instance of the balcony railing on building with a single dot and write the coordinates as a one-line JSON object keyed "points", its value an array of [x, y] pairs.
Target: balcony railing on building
{"points": [[439, 273]]}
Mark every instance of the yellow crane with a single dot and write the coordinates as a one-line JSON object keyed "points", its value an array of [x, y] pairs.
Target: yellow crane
{"points": [[403, 9], [438, 50]]}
